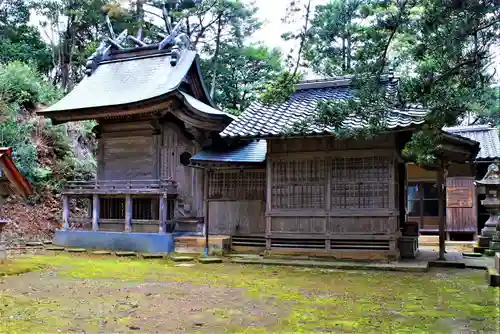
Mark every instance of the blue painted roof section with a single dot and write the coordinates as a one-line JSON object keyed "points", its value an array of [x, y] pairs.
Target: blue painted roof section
{"points": [[250, 152]]}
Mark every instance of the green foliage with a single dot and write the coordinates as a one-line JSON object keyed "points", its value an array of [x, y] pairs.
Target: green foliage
{"points": [[281, 89], [42, 152], [21, 84], [18, 136], [335, 35], [241, 74], [443, 50], [20, 41]]}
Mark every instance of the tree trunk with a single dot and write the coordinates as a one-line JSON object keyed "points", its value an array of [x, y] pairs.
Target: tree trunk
{"points": [[67, 53], [343, 56], [140, 18], [348, 53], [214, 58]]}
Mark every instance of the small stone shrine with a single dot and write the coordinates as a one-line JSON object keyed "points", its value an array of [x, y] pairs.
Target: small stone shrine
{"points": [[490, 234]]}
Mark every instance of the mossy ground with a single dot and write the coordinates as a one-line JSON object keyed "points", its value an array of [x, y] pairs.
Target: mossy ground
{"points": [[76, 293], [9, 267]]}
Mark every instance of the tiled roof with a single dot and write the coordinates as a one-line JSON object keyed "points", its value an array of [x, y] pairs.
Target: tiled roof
{"points": [[125, 81], [250, 152], [485, 135], [261, 120]]}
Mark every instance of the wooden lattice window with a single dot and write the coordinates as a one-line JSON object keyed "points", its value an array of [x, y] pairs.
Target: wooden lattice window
{"points": [[237, 184], [144, 208], [112, 208], [360, 182], [298, 184]]}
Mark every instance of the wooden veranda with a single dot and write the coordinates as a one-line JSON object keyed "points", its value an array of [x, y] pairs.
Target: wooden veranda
{"points": [[121, 205]]}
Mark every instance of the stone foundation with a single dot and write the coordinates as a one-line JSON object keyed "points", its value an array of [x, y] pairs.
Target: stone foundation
{"points": [[118, 241]]}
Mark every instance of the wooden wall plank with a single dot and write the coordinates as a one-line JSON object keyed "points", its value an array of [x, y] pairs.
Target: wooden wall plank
{"points": [[127, 158], [236, 217], [462, 219]]}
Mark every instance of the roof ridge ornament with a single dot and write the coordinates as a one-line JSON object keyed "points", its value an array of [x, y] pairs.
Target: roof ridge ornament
{"points": [[174, 38]]}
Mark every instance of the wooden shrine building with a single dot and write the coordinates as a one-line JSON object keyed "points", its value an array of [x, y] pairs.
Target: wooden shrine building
{"points": [[153, 114], [308, 192], [465, 216], [170, 163]]}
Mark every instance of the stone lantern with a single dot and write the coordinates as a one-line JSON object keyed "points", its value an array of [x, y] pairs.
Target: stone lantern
{"points": [[490, 234]]}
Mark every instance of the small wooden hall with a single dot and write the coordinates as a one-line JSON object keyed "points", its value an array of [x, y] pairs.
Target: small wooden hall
{"points": [[284, 192]]}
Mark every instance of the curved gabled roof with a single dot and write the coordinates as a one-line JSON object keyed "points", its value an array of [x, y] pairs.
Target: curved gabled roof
{"points": [[124, 81], [131, 81]]}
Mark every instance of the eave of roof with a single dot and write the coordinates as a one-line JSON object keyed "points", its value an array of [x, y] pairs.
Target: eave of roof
{"points": [[268, 121], [253, 152], [487, 136], [20, 183]]}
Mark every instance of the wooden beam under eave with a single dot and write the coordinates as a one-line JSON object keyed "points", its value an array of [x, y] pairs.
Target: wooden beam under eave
{"points": [[59, 117]]}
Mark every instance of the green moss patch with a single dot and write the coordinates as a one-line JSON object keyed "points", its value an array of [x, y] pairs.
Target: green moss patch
{"points": [[18, 266], [297, 300]]}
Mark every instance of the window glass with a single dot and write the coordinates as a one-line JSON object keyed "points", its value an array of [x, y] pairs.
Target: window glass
{"points": [[414, 208], [430, 190], [431, 208], [412, 192]]}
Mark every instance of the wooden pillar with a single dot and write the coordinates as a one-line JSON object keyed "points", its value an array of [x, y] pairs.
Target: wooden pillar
{"points": [[95, 212], [442, 218], [163, 213], [65, 215], [268, 202], [206, 211], [128, 213], [205, 200]]}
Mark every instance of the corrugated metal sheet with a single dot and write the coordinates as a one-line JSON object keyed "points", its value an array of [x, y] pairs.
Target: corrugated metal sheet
{"points": [[127, 81], [485, 135], [250, 152], [261, 120]]}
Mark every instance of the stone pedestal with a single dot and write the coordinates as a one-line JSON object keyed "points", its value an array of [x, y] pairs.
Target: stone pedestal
{"points": [[495, 240], [490, 234], [492, 224]]}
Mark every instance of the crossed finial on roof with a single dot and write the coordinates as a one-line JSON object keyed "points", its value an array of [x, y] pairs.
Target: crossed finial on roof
{"points": [[173, 38]]}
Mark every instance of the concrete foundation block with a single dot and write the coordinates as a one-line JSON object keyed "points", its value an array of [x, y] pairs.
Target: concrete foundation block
{"points": [[493, 278], [206, 260], [76, 250], [56, 249], [125, 254], [182, 258], [116, 241], [101, 252]]}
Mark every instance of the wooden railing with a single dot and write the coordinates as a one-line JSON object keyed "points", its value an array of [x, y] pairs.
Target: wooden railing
{"points": [[157, 186]]}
